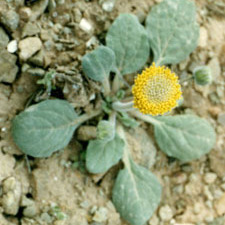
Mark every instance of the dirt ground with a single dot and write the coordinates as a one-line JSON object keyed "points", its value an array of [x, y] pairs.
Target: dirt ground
{"points": [[58, 190]]}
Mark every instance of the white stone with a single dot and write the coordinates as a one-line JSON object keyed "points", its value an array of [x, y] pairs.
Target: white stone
{"points": [[12, 46], [165, 213], [210, 178], [85, 25], [108, 5]]}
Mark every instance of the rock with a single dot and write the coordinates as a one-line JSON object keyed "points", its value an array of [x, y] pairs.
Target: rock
{"points": [[217, 162], [210, 178], [8, 68], [220, 205], [29, 47], [11, 196], [221, 119], [4, 39], [38, 9], [215, 68], [108, 5], [30, 211], [179, 178], [165, 213], [7, 163], [30, 29], [26, 201], [86, 133], [25, 13], [154, 220], [36, 71], [38, 59], [77, 15], [85, 25], [194, 186], [46, 218], [100, 215], [10, 19], [203, 38], [12, 46]]}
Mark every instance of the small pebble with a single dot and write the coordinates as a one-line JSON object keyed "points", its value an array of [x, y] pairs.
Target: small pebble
{"points": [[108, 5], [85, 25], [221, 119], [100, 215], [220, 205], [210, 178], [165, 213], [28, 47], [12, 46]]}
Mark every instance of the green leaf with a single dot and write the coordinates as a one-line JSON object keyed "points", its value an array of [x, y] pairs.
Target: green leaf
{"points": [[127, 120], [185, 137], [172, 30], [103, 154], [136, 194], [98, 63], [105, 130], [44, 128], [128, 39]]}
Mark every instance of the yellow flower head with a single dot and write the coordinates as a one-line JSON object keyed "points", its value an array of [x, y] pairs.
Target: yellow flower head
{"points": [[156, 90]]}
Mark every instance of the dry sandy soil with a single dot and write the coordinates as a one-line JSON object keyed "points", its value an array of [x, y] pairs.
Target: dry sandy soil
{"points": [[58, 190]]}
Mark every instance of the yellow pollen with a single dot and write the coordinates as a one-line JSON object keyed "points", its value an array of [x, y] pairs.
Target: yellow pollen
{"points": [[156, 90]]}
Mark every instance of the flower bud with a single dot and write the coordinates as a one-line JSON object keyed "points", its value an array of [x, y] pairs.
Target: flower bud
{"points": [[202, 75]]}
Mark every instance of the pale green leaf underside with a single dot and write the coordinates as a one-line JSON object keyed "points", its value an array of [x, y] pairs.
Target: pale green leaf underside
{"points": [[136, 194], [173, 31], [99, 63], [184, 137], [102, 154], [128, 39], [44, 128]]}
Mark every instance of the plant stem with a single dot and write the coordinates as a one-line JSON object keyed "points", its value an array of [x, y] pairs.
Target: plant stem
{"points": [[186, 79], [106, 86], [112, 118], [126, 153], [146, 118], [122, 106], [85, 117]]}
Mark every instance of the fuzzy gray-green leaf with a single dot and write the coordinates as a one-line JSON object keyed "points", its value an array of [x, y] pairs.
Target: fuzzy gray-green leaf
{"points": [[103, 154], [44, 128], [173, 31], [128, 39], [99, 63], [136, 194], [184, 137]]}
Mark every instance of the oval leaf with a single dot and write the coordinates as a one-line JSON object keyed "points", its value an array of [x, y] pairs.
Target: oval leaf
{"points": [[128, 39], [98, 63], [102, 155], [184, 137], [136, 194], [172, 30], [44, 128]]}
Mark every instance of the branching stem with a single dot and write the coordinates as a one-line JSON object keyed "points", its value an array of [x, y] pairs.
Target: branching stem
{"points": [[146, 118], [85, 117], [123, 106]]}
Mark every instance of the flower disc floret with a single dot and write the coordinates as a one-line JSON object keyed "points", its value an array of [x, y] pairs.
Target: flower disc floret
{"points": [[156, 90]]}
